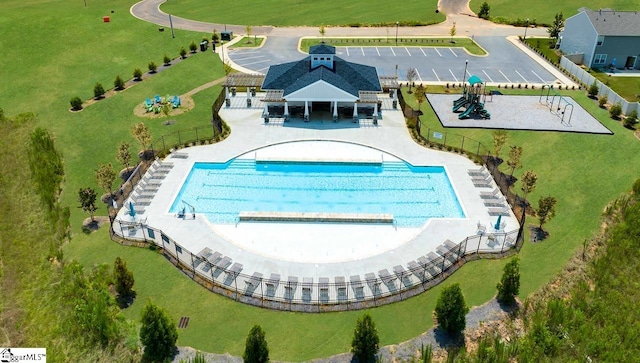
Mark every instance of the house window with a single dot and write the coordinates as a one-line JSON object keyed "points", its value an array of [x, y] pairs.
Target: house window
{"points": [[178, 249], [151, 233], [600, 59], [600, 40]]}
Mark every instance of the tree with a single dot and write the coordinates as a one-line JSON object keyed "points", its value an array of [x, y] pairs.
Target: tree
{"points": [[183, 53], [631, 120], [124, 154], [118, 83], [98, 91], [215, 37], [141, 134], [615, 111], [420, 95], [158, 333], [193, 47], [249, 30], [76, 103], [365, 343], [152, 67], [87, 199], [509, 285], [256, 349], [546, 209], [322, 32], [123, 279], [105, 175], [412, 75], [593, 89], [602, 100], [500, 138], [529, 179], [514, 159], [556, 27], [137, 74], [451, 310], [484, 11], [166, 60], [453, 31]]}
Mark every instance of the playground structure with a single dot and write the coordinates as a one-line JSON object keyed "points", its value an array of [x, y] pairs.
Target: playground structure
{"points": [[558, 108], [472, 100]]}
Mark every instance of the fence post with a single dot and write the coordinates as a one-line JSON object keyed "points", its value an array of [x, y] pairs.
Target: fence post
{"points": [[197, 140], [164, 147], [179, 138], [462, 145]]}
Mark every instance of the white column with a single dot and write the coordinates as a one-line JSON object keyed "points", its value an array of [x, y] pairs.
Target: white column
{"points": [[286, 109], [355, 112], [395, 94], [248, 93], [226, 96], [335, 110], [375, 109], [306, 110], [266, 110]]}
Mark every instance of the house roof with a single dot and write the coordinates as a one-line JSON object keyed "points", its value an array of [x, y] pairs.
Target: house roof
{"points": [[618, 23], [349, 77], [322, 49]]}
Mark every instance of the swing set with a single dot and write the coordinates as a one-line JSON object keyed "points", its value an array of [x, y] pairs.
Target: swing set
{"points": [[556, 103]]}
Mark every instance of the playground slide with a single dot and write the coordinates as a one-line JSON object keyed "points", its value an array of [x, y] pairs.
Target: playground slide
{"points": [[458, 106], [467, 112]]}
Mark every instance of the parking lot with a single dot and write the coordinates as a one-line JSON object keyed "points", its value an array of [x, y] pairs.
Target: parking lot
{"points": [[504, 63]]}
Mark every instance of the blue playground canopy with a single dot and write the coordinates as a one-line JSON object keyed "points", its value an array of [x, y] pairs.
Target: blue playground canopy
{"points": [[474, 80]]}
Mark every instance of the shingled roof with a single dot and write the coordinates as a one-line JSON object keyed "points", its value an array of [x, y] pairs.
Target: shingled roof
{"points": [[322, 49], [619, 23], [350, 77]]}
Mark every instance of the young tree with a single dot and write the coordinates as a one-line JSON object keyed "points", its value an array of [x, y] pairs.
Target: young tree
{"points": [[412, 75], [365, 343], [158, 333], [484, 11], [152, 67], [123, 279], [76, 103], [546, 209], [87, 199], [193, 47], [124, 154], [593, 89], [615, 111], [529, 179], [118, 83], [514, 159], [602, 101], [631, 120], [215, 37], [141, 134], [255, 348], [183, 53], [420, 95], [137, 74], [500, 138], [166, 60], [249, 30], [98, 91], [105, 175], [451, 310], [453, 31], [556, 27], [509, 285], [322, 32]]}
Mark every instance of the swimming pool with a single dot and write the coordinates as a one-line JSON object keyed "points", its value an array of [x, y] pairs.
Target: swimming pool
{"points": [[411, 194]]}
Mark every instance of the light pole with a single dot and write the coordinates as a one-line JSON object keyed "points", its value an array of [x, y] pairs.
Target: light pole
{"points": [[464, 75], [525, 31], [397, 23]]}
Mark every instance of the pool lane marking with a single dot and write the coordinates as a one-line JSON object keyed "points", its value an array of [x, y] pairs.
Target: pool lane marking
{"points": [[454, 77], [394, 53], [507, 78], [422, 50], [434, 72], [452, 52], [377, 50], [522, 76], [437, 51], [405, 48], [540, 78], [485, 73]]}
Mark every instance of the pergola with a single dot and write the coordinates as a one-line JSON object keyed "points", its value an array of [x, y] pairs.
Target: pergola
{"points": [[235, 80]]}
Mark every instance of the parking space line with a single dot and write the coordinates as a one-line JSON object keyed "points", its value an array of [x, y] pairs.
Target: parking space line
{"points": [[452, 52], [436, 49], [507, 78], [422, 50], [485, 73], [362, 49], [262, 70], [377, 50], [434, 72], [347, 48], [540, 78], [239, 58], [405, 48], [250, 63], [418, 73], [522, 76], [394, 53], [454, 76]]}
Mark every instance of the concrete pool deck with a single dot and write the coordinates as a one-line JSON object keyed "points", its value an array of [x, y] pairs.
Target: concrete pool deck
{"points": [[317, 250]]}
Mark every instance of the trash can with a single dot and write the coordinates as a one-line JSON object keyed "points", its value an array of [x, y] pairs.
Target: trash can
{"points": [[203, 45], [226, 36]]}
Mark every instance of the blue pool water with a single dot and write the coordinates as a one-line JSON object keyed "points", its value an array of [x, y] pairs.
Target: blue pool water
{"points": [[411, 194]]}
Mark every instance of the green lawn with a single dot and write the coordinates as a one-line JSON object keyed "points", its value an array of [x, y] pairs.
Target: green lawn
{"points": [[543, 45], [466, 43], [627, 87], [543, 11], [311, 13], [248, 42]]}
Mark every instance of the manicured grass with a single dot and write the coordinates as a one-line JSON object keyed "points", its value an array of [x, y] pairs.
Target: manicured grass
{"points": [[543, 11], [544, 45], [466, 43], [248, 42], [311, 13], [626, 87]]}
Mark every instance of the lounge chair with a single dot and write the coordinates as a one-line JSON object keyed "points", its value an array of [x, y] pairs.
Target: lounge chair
{"points": [[498, 202], [498, 211], [481, 229], [481, 178], [158, 99], [480, 172], [148, 102], [492, 194]]}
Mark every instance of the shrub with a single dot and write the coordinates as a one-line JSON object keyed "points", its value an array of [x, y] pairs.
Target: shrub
{"points": [[484, 11], [118, 83], [602, 101], [365, 343], [167, 60], [193, 46], [593, 89], [451, 310], [76, 103], [98, 91], [183, 53], [615, 111], [123, 279], [152, 67], [215, 37], [158, 333], [256, 349], [636, 187], [631, 120], [137, 74], [509, 285]]}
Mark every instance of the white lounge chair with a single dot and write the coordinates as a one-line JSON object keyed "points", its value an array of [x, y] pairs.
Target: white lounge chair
{"points": [[480, 172], [492, 194], [498, 211]]}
